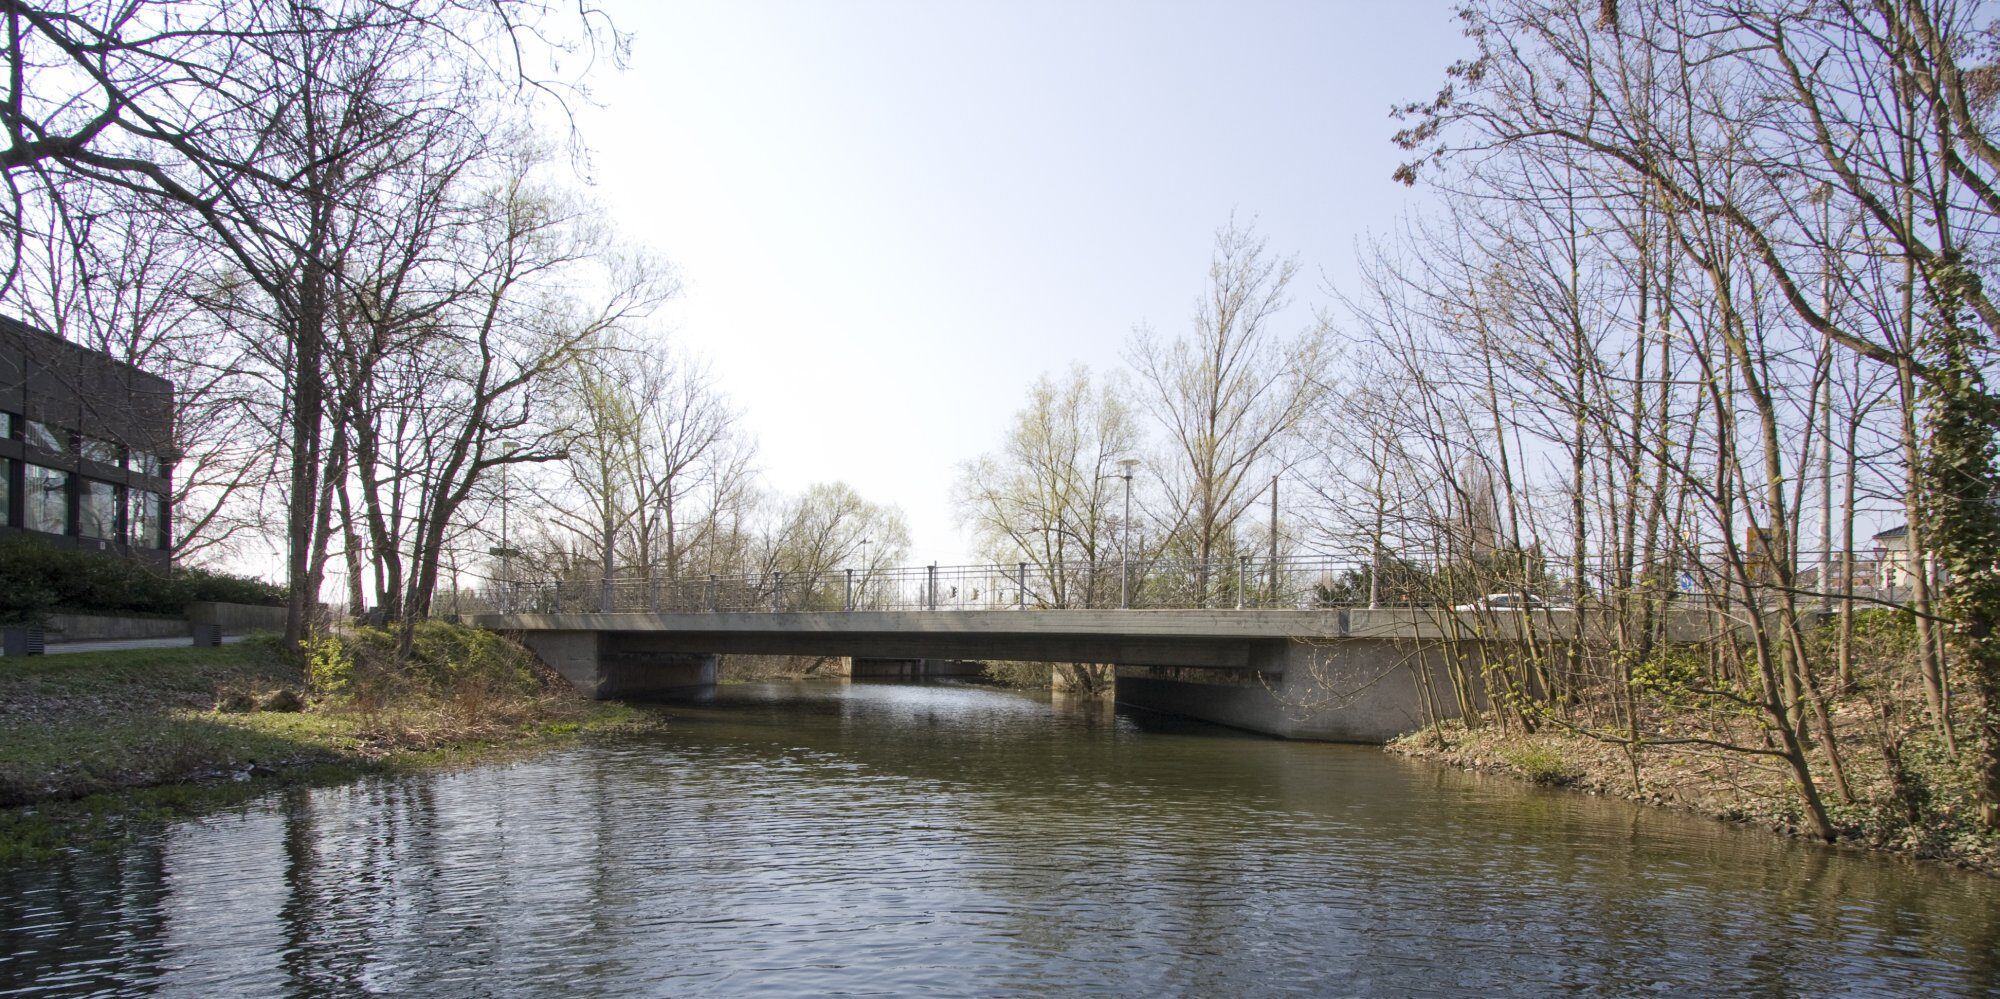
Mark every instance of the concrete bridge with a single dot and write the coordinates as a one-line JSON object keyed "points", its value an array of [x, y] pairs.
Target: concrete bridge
{"points": [[1339, 674]]}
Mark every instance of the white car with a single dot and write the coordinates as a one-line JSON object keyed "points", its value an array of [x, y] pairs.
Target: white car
{"points": [[1504, 602]]}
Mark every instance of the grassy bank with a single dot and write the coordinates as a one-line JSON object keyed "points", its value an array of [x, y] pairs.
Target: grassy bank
{"points": [[1735, 787], [98, 744]]}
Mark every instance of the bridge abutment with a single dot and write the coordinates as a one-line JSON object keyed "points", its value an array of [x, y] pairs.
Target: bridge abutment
{"points": [[594, 663], [1339, 690]]}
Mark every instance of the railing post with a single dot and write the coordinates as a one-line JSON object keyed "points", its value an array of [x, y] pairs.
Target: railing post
{"points": [[1021, 586], [930, 587], [1242, 571], [850, 589], [714, 594], [777, 591], [653, 594]]}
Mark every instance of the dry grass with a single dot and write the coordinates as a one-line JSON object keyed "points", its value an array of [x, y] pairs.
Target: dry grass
{"points": [[1743, 787], [78, 725]]}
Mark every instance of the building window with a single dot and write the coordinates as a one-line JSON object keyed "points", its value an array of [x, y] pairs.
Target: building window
{"points": [[145, 462], [47, 506], [101, 451], [97, 510], [6, 489], [7, 421], [47, 437], [149, 520]]}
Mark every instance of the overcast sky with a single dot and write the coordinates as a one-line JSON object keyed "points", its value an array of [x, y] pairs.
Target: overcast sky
{"points": [[889, 218]]}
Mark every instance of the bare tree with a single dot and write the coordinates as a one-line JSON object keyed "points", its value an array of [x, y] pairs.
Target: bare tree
{"points": [[1228, 394], [1050, 496]]}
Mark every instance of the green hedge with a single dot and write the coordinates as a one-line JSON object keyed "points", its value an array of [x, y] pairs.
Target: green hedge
{"points": [[37, 579]]}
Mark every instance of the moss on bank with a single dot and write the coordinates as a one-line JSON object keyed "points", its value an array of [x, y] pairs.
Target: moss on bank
{"points": [[1729, 786], [100, 745]]}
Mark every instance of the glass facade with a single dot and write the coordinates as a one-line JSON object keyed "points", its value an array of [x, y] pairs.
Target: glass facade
{"points": [[97, 509], [46, 506], [56, 501], [101, 451], [149, 520], [47, 437]]}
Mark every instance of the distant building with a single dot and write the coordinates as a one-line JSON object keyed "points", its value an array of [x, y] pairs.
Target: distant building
{"points": [[85, 446], [1892, 554], [1862, 580]]}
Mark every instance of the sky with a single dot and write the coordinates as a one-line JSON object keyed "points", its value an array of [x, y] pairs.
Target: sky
{"points": [[889, 218]]}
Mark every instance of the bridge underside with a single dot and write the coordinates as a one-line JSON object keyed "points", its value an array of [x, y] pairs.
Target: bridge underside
{"points": [[1311, 675]]}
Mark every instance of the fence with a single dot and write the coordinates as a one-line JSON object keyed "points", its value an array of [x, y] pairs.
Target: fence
{"points": [[1223, 583], [1245, 582]]}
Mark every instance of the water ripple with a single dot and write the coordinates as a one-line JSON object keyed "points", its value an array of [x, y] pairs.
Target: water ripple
{"points": [[905, 840]]}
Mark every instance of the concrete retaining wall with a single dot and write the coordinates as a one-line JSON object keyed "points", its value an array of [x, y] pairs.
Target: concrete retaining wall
{"points": [[236, 619], [110, 627]]}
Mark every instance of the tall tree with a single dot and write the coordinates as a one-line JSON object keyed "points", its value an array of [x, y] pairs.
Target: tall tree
{"points": [[1050, 496], [1229, 392]]}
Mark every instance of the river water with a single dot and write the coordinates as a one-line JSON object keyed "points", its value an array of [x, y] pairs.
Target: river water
{"points": [[825, 838]]}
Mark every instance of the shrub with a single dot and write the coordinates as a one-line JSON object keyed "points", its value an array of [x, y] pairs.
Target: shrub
{"points": [[360, 664], [37, 579], [329, 668], [1021, 674], [1540, 764]]}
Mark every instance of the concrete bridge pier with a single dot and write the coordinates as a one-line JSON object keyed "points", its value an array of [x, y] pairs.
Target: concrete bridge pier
{"points": [[596, 664]]}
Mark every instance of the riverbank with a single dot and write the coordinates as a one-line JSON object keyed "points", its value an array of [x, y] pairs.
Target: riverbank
{"points": [[1731, 787], [98, 745]]}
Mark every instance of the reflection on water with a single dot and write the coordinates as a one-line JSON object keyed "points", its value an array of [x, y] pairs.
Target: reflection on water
{"points": [[798, 839]]}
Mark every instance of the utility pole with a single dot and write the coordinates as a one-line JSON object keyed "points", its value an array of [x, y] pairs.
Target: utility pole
{"points": [[506, 549], [866, 572], [1274, 540], [505, 552], [1125, 537]]}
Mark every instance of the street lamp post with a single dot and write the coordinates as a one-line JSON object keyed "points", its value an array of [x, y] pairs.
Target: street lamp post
{"points": [[1125, 537], [866, 571], [505, 551]]}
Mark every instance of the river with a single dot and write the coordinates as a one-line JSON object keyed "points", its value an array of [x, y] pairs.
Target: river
{"points": [[826, 838]]}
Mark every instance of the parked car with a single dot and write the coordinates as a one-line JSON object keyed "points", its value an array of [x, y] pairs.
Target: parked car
{"points": [[1505, 602]]}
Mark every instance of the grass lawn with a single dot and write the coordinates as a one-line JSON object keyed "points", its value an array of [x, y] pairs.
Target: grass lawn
{"points": [[93, 743]]}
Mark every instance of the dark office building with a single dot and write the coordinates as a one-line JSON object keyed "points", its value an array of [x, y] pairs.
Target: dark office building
{"points": [[85, 443]]}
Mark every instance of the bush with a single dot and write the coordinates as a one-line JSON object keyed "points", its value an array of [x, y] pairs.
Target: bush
{"points": [[1540, 764], [360, 664], [1021, 674], [329, 667], [37, 579]]}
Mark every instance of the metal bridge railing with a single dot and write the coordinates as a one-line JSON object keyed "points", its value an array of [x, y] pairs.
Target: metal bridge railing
{"points": [[1246, 582], [1243, 582]]}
